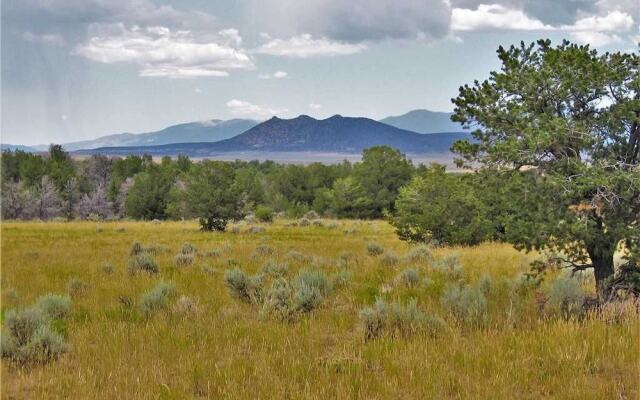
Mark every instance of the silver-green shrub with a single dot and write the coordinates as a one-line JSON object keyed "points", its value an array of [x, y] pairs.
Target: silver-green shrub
{"points": [[374, 249], [245, 288], [566, 296], [157, 299], [466, 303], [143, 262], [54, 306]]}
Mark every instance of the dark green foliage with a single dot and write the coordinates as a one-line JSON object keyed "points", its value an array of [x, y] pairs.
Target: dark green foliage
{"points": [[245, 288], [576, 194], [264, 214], [442, 208]]}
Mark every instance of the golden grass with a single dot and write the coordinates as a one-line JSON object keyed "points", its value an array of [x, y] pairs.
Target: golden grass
{"points": [[226, 350]]}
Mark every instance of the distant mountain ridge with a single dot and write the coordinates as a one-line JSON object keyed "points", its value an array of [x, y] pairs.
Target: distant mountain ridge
{"points": [[424, 121], [336, 134], [202, 131]]}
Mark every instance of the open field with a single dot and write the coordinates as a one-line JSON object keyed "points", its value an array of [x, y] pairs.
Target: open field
{"points": [[229, 349]]}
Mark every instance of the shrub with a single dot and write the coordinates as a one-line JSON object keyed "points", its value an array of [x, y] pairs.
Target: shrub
{"points": [[107, 268], [157, 299], [340, 279], [143, 262], [264, 214], [213, 253], [44, 345], [185, 306], [373, 319], [450, 265], [21, 325], [278, 300], [317, 222], [421, 253], [184, 259], [314, 279], [209, 224], [311, 215], [307, 297], [205, 269], [398, 319], [409, 277], [274, 269], [27, 335], [485, 284], [295, 255], [304, 222], [374, 249], [389, 259], [188, 248], [256, 229], [262, 250], [136, 248], [54, 306], [466, 303], [565, 296], [242, 287], [76, 287]]}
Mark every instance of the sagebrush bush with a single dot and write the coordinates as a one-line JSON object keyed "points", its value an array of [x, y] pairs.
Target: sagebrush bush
{"points": [[314, 279], [256, 229], [205, 269], [485, 284], [188, 248], [136, 248], [304, 222], [184, 259], [566, 296], [278, 300], [420, 253], [213, 253], [311, 215], [450, 265], [295, 255], [373, 319], [157, 299], [262, 250], [410, 277], [245, 288], [107, 268], [185, 306], [307, 297], [374, 249], [27, 335], [143, 262], [76, 287], [340, 279], [274, 269], [397, 319], [389, 259], [466, 303], [54, 306]]}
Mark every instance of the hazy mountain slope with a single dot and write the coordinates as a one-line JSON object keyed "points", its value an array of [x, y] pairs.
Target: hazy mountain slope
{"points": [[202, 131], [424, 121], [305, 134]]}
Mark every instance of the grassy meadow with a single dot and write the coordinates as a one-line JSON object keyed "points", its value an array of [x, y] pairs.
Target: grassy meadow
{"points": [[226, 348]]}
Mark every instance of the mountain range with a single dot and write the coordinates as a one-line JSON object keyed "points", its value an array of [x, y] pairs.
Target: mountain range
{"points": [[424, 121], [202, 131], [336, 134]]}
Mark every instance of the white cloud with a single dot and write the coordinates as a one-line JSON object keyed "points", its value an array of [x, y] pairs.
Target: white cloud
{"points": [[246, 109], [161, 52], [305, 46], [600, 30], [275, 75], [315, 106], [47, 38], [494, 16], [197, 90]]}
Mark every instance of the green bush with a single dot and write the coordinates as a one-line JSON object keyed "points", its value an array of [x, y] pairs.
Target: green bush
{"points": [[466, 303], [54, 306], [184, 259], [374, 249], [410, 277], [421, 253], [76, 287], [157, 299], [245, 288], [314, 279], [278, 301], [264, 214], [389, 259], [307, 297], [262, 250], [188, 248], [566, 296], [143, 262], [275, 269]]}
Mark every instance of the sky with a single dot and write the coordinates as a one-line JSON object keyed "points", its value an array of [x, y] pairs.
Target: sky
{"points": [[79, 69]]}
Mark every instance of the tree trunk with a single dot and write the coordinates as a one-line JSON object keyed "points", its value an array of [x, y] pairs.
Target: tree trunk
{"points": [[601, 253]]}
